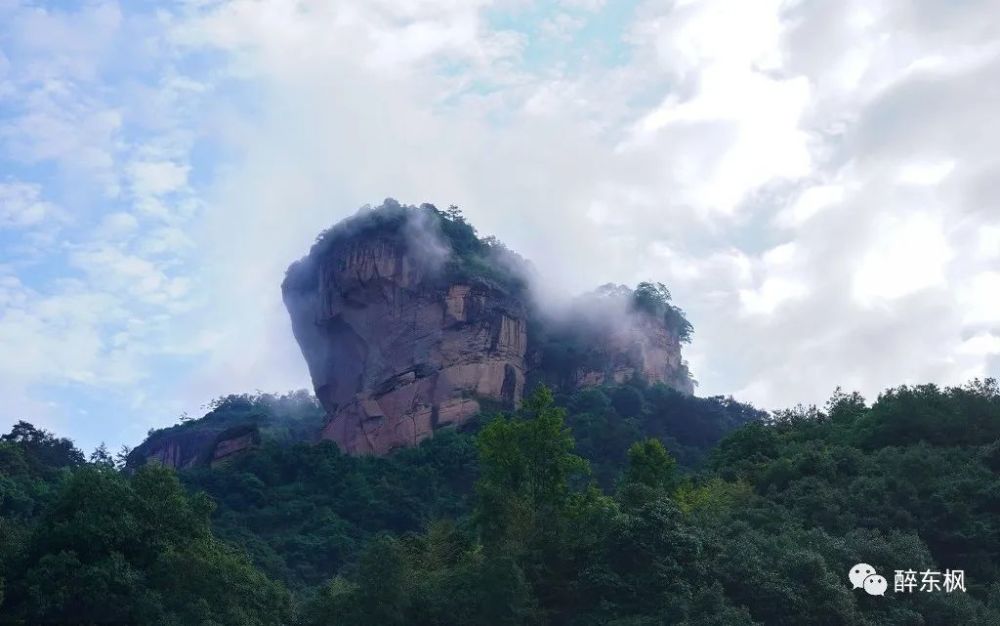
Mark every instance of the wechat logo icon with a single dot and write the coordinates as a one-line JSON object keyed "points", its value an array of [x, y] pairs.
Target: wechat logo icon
{"points": [[864, 576]]}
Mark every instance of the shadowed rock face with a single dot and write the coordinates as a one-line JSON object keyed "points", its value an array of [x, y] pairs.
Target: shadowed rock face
{"points": [[235, 423], [395, 352], [194, 447]]}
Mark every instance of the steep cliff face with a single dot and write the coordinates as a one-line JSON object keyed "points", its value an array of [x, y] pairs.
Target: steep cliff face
{"points": [[610, 336], [408, 322], [194, 447], [640, 346], [234, 424], [397, 342]]}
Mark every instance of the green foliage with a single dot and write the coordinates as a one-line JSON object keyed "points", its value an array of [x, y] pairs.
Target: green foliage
{"points": [[474, 259], [438, 577], [139, 550], [711, 497], [764, 534], [650, 465], [305, 511], [654, 298], [547, 548], [32, 462], [294, 416], [42, 449], [567, 349], [958, 416], [606, 421], [917, 462], [526, 464]]}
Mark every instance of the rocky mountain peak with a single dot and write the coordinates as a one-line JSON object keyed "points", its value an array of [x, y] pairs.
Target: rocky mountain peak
{"points": [[410, 322]]}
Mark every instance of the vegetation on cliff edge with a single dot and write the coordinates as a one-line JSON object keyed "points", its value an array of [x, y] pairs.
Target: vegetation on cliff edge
{"points": [[468, 257]]}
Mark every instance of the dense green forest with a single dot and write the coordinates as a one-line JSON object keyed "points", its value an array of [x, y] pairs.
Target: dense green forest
{"points": [[616, 505]]}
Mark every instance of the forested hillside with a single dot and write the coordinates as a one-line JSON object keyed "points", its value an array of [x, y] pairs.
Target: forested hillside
{"points": [[614, 505]]}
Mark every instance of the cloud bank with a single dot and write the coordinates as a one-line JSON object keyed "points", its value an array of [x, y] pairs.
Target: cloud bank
{"points": [[816, 182]]}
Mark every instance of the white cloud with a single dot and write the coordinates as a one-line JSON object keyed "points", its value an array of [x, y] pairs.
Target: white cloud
{"points": [[814, 181], [117, 225], [584, 5], [908, 254], [738, 128], [761, 114], [983, 344], [166, 240], [21, 205], [119, 271], [96, 130], [155, 178], [562, 26], [989, 241], [54, 337], [980, 298], [780, 281], [811, 202], [770, 295], [924, 173]]}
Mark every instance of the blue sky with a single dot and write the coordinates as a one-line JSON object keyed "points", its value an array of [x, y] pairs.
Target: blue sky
{"points": [[814, 181]]}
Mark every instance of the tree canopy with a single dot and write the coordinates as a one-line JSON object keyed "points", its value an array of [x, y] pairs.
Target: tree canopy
{"points": [[588, 508]]}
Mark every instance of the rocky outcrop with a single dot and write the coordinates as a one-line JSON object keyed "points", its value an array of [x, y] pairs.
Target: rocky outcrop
{"points": [[408, 322], [397, 345], [641, 346], [184, 448], [416, 361], [610, 336], [234, 441], [234, 424]]}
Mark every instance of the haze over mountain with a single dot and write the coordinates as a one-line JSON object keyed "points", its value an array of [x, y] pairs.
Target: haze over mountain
{"points": [[814, 181]]}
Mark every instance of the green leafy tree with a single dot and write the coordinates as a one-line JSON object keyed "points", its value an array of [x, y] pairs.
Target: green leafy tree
{"points": [[42, 447], [119, 550], [385, 580], [101, 456], [526, 465], [654, 298], [650, 465]]}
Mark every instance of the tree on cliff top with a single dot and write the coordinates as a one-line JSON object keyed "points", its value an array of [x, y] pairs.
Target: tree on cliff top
{"points": [[654, 298]]}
